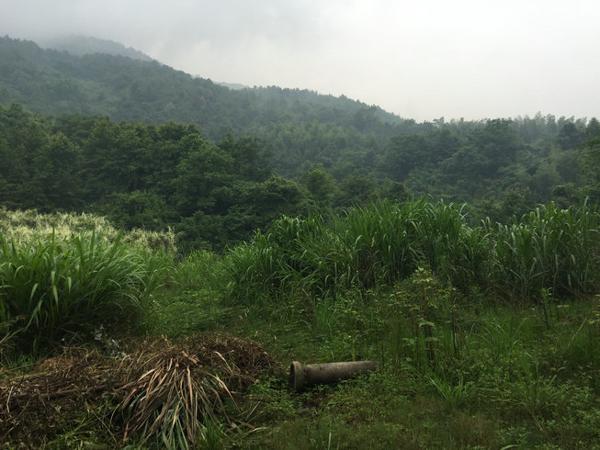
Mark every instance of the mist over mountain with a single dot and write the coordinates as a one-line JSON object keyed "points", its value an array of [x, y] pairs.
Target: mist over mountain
{"points": [[233, 86], [87, 45]]}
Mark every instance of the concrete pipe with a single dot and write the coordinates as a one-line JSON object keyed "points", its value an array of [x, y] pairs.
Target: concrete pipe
{"points": [[302, 376]]}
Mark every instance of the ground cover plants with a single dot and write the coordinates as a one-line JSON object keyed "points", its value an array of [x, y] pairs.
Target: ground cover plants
{"points": [[486, 333]]}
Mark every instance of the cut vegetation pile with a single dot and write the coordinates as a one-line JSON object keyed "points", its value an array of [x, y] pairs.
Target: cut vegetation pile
{"points": [[161, 392], [177, 389], [39, 404]]}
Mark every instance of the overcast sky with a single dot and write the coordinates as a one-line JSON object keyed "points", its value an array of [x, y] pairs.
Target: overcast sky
{"points": [[421, 58]]}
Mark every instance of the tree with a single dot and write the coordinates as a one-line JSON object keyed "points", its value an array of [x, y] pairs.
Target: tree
{"points": [[137, 209], [321, 186], [591, 158], [569, 136], [199, 174], [58, 166], [593, 129]]}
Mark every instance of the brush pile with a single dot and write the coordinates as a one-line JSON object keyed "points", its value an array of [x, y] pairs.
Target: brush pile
{"points": [[58, 389], [159, 391], [176, 388]]}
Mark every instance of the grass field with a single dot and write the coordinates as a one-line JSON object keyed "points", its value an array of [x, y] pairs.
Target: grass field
{"points": [[503, 376], [486, 335]]}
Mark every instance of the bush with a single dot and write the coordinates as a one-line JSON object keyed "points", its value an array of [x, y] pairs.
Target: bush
{"points": [[22, 226], [365, 248]]}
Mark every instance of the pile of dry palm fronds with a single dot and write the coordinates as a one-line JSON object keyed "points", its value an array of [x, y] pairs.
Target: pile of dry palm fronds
{"points": [[159, 391]]}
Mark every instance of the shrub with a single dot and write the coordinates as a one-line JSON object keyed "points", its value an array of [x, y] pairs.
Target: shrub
{"points": [[550, 250], [22, 226], [199, 270]]}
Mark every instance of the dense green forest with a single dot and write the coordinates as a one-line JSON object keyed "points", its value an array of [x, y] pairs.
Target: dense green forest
{"points": [[159, 176], [143, 176], [214, 194], [341, 151]]}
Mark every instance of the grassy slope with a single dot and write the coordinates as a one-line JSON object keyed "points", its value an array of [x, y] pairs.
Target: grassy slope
{"points": [[490, 376], [516, 380]]}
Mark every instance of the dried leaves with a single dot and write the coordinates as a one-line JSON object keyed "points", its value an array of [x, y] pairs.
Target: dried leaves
{"points": [[162, 391]]}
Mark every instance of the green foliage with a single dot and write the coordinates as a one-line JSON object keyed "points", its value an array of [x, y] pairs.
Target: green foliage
{"points": [[143, 176], [552, 248], [455, 396], [62, 284], [506, 387], [422, 306], [413, 284], [457, 370], [125, 88], [345, 152]]}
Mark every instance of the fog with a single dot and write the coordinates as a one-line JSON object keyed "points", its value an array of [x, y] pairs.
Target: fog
{"points": [[426, 59]]}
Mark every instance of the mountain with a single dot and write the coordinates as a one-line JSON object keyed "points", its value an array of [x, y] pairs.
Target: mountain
{"points": [[86, 45], [338, 151], [302, 128]]}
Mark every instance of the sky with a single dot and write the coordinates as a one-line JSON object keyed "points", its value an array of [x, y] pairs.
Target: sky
{"points": [[420, 59]]}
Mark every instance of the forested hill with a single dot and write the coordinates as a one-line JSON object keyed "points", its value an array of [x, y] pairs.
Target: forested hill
{"points": [[337, 151], [58, 83]]}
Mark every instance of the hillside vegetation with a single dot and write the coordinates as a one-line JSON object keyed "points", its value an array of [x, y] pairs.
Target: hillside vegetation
{"points": [[56, 82], [169, 245], [523, 159], [216, 194]]}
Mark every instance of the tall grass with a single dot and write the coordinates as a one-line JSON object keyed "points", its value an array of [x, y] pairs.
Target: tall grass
{"points": [[22, 226], [197, 271], [295, 253], [549, 248], [381, 244], [61, 284]]}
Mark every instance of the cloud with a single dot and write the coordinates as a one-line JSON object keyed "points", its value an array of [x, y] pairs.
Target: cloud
{"points": [[150, 21], [432, 58]]}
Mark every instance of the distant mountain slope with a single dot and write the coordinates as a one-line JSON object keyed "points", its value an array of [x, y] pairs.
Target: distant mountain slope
{"points": [[310, 128], [86, 45]]}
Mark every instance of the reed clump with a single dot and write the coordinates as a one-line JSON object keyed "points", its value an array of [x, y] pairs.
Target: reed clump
{"points": [[376, 246], [64, 275]]}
